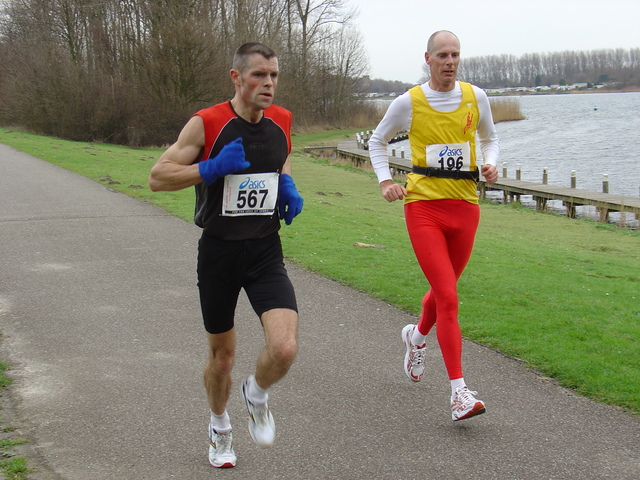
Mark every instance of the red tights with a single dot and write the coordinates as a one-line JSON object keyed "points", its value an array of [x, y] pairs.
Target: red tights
{"points": [[442, 234]]}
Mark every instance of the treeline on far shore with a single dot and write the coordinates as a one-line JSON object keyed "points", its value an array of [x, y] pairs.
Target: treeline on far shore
{"points": [[614, 68], [609, 69]]}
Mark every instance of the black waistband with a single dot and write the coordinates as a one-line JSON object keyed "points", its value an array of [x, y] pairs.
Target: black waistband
{"points": [[444, 173]]}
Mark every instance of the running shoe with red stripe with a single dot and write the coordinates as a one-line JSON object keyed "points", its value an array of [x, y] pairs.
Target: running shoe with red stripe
{"points": [[465, 405], [414, 358], [221, 454]]}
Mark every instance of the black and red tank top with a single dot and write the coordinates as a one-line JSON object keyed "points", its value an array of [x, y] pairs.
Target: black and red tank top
{"points": [[267, 145]]}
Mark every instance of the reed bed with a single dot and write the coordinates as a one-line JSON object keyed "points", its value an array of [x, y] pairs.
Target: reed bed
{"points": [[505, 109]]}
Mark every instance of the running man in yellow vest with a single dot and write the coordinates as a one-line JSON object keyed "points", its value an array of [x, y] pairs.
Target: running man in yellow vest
{"points": [[440, 199]]}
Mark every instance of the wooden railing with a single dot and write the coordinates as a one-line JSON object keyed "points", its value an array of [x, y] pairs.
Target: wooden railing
{"points": [[571, 197]]}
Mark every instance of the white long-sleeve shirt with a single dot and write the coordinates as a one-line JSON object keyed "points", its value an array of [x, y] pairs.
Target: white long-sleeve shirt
{"points": [[398, 118]]}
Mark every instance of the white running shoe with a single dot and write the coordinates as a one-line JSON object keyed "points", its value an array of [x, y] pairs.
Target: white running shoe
{"points": [[261, 425], [414, 358], [465, 405], [221, 454]]}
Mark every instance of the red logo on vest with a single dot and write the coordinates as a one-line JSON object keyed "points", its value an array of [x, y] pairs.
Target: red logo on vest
{"points": [[467, 123]]}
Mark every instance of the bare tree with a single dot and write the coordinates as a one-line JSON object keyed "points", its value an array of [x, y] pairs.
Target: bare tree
{"points": [[341, 65], [312, 24], [132, 71]]}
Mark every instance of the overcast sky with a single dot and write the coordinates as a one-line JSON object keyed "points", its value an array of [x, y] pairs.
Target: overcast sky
{"points": [[395, 32]]}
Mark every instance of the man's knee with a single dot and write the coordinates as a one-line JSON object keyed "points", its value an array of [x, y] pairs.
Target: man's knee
{"points": [[284, 351], [281, 329], [221, 353], [219, 365]]}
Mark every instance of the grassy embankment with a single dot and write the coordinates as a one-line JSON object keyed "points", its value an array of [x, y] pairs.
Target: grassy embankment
{"points": [[557, 293]]}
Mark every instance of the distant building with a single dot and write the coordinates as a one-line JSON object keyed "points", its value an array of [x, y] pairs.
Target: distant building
{"points": [[541, 88]]}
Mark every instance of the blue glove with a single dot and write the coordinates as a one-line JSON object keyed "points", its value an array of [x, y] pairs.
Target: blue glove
{"points": [[290, 200], [229, 160]]}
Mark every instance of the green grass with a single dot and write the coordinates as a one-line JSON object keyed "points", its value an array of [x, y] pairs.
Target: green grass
{"points": [[558, 293], [11, 466]]}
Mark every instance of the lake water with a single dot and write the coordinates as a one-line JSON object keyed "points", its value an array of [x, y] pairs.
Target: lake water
{"points": [[593, 134]]}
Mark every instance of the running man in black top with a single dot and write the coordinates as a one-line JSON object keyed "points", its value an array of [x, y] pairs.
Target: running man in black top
{"points": [[236, 154]]}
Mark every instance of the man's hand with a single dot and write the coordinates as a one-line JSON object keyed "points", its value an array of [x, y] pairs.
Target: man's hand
{"points": [[392, 191], [290, 202], [229, 160], [490, 173]]}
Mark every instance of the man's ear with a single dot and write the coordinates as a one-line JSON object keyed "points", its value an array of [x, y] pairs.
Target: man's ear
{"points": [[235, 77]]}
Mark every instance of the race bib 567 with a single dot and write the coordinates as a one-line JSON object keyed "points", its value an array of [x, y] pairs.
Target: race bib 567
{"points": [[250, 194]]}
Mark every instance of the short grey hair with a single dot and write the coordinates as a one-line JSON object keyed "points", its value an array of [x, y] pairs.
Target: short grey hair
{"points": [[241, 57]]}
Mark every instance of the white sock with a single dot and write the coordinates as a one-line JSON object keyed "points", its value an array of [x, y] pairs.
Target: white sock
{"points": [[457, 383], [417, 338], [255, 393], [221, 423]]}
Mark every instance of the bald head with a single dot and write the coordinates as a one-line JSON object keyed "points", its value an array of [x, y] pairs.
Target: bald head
{"points": [[437, 37]]}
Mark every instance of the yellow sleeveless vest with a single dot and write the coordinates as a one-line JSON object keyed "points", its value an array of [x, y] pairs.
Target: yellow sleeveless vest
{"points": [[429, 127]]}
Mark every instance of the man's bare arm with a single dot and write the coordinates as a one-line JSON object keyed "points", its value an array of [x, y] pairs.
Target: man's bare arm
{"points": [[175, 169]]}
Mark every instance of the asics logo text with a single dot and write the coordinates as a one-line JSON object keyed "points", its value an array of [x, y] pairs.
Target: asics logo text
{"points": [[450, 152], [252, 184]]}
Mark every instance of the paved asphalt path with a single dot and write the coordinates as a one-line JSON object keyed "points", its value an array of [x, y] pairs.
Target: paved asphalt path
{"points": [[101, 322]]}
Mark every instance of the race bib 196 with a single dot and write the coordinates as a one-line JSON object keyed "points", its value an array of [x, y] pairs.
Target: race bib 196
{"points": [[453, 156], [250, 194]]}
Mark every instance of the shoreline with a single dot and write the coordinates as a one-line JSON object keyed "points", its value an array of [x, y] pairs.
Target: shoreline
{"points": [[565, 92], [633, 89]]}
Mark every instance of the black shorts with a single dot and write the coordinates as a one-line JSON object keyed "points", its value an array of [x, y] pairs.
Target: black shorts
{"points": [[225, 267]]}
